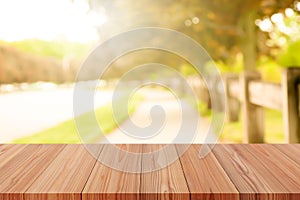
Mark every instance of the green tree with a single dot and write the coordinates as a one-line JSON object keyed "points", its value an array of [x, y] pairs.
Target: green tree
{"points": [[223, 27]]}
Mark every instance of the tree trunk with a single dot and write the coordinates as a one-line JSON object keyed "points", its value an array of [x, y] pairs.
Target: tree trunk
{"points": [[248, 43]]}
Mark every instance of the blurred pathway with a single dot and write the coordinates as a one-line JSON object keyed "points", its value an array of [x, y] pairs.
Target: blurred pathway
{"points": [[142, 118]]}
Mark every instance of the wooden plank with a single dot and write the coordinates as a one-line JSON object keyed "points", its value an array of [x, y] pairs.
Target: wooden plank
{"points": [[292, 151], [290, 99], [24, 167], [254, 177], [232, 104], [279, 164], [230, 172], [169, 181], [66, 176], [111, 180], [8, 151], [205, 177], [265, 94], [253, 115]]}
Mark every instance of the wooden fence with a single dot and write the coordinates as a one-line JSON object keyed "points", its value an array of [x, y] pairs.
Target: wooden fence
{"points": [[251, 94]]}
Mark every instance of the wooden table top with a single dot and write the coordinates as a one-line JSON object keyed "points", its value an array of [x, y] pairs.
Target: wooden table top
{"points": [[258, 171]]}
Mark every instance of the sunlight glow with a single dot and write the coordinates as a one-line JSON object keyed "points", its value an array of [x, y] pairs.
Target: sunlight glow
{"points": [[195, 20], [277, 18], [289, 12], [265, 25], [298, 6], [49, 20]]}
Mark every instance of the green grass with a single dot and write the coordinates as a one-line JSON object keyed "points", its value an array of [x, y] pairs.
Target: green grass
{"points": [[232, 132], [66, 132]]}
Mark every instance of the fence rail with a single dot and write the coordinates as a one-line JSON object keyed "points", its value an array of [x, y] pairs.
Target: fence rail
{"points": [[249, 93], [265, 94]]}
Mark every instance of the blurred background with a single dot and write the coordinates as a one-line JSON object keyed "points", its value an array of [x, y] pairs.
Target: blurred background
{"points": [[43, 43]]}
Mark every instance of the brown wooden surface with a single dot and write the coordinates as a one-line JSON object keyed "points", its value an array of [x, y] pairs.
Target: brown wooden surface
{"points": [[257, 171], [255, 176], [65, 176], [205, 177], [21, 170], [169, 182], [109, 183]]}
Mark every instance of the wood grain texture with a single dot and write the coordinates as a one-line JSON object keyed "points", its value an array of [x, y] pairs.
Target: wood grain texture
{"points": [[159, 179], [205, 177], [108, 183], [256, 171], [24, 167], [8, 151], [292, 151], [281, 166], [253, 176], [66, 176]]}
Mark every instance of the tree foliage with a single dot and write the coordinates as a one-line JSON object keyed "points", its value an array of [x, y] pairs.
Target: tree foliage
{"points": [[17, 66], [222, 27]]}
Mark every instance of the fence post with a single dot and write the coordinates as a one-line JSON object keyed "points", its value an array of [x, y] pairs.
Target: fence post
{"points": [[232, 106], [253, 115], [290, 102]]}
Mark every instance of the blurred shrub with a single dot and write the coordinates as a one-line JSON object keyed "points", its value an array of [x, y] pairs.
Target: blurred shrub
{"points": [[53, 49], [203, 109], [270, 69], [233, 65], [290, 55], [17, 66]]}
